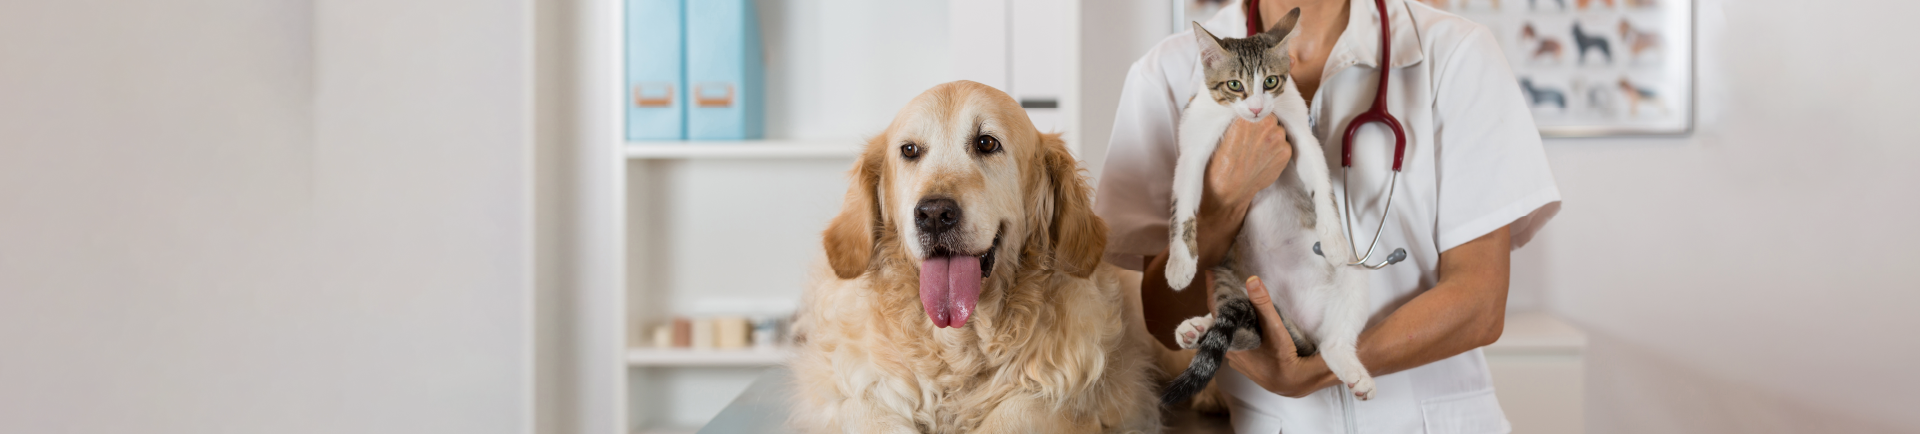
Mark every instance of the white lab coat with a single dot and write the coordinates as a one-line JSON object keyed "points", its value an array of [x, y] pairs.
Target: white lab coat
{"points": [[1474, 163]]}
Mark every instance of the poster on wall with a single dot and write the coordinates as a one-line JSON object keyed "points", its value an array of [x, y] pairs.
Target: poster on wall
{"points": [[1595, 67]]}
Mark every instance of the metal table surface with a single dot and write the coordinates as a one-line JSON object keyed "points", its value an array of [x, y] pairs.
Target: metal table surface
{"points": [[763, 409]]}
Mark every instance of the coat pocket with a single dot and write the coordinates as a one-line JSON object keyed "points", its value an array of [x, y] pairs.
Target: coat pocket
{"points": [[1468, 413]]}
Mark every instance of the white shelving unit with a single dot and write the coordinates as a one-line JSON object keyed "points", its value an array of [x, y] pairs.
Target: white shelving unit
{"points": [[723, 227], [1539, 369], [717, 228], [754, 149], [669, 357], [1538, 334]]}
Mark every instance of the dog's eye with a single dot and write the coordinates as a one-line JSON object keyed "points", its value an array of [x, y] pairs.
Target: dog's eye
{"points": [[1233, 85], [910, 151], [1273, 81], [986, 144]]}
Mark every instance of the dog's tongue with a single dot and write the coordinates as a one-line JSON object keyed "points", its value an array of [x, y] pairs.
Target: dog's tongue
{"points": [[949, 288]]}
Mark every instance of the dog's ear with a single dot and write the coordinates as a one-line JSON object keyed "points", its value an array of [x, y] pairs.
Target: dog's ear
{"points": [[1079, 237], [850, 237]]}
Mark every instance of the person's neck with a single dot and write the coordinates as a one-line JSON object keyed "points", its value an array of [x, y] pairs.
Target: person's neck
{"points": [[1321, 21]]}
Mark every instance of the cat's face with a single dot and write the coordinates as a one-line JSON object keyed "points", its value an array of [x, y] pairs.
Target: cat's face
{"points": [[1247, 74]]}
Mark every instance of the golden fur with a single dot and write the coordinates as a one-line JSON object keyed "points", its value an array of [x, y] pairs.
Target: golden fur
{"points": [[1056, 344]]}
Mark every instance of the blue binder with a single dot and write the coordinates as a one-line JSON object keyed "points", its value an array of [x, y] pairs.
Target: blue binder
{"points": [[656, 81], [725, 73]]}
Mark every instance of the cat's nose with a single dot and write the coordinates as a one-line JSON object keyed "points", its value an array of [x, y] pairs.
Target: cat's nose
{"points": [[1256, 111]]}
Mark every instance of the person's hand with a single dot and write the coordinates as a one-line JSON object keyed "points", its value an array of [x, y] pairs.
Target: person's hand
{"points": [[1275, 365], [1250, 157]]}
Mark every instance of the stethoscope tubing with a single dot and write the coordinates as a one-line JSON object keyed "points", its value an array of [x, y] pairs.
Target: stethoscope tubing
{"points": [[1377, 113]]}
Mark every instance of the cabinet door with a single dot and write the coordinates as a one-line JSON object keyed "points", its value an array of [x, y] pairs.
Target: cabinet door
{"points": [[1025, 48], [978, 37], [1040, 57]]}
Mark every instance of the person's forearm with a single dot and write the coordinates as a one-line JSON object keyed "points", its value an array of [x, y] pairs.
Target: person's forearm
{"points": [[1427, 329], [1466, 309], [1218, 226], [1219, 223], [1440, 323], [1162, 307]]}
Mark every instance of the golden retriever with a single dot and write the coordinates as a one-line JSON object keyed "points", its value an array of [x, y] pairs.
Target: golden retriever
{"points": [[966, 292]]}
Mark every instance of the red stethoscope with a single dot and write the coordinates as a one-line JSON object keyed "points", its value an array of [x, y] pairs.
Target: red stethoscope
{"points": [[1377, 113]]}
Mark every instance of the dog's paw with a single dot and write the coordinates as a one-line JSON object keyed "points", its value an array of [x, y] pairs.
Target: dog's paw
{"points": [[1188, 334], [1362, 388]]}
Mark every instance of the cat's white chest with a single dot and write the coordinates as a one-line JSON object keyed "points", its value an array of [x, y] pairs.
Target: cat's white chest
{"points": [[1280, 251]]}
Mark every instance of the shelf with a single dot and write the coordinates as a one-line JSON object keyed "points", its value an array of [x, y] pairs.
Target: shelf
{"points": [[745, 149], [745, 357], [1538, 333], [667, 431]]}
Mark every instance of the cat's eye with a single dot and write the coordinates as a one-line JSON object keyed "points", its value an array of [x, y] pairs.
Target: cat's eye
{"points": [[910, 151], [1273, 81], [986, 144], [1233, 85]]}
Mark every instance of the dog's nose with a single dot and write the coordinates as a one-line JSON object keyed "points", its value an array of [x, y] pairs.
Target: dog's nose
{"points": [[936, 215]]}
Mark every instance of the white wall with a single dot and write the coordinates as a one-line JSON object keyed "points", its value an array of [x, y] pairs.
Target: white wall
{"points": [[1113, 34], [265, 216], [1752, 276]]}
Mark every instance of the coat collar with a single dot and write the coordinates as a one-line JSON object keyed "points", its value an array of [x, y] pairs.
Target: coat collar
{"points": [[1358, 45]]}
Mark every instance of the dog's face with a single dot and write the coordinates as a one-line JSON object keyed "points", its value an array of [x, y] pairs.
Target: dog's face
{"points": [[962, 189]]}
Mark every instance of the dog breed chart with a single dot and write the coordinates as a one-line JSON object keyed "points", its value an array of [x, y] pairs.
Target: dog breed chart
{"points": [[1595, 67]]}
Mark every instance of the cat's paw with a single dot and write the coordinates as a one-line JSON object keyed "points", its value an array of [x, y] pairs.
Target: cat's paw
{"points": [[1363, 388], [1183, 257], [1348, 368], [1188, 334], [1181, 267]]}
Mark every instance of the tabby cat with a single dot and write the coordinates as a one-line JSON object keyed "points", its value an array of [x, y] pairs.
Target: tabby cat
{"points": [[1322, 300]]}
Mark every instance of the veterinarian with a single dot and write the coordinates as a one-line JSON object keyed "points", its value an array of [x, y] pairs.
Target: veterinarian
{"points": [[1475, 185]]}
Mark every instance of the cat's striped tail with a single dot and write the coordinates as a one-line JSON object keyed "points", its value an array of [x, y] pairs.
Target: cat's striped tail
{"points": [[1231, 315]]}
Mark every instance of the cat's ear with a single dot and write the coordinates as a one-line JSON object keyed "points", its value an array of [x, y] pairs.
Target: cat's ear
{"points": [[1285, 29], [1211, 52]]}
